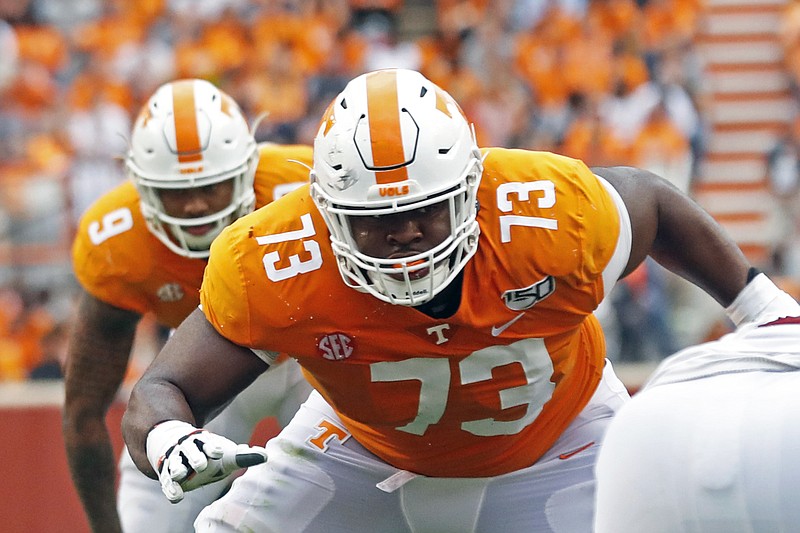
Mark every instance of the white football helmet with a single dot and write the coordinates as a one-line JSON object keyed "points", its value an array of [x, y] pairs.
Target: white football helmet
{"points": [[191, 134], [393, 141]]}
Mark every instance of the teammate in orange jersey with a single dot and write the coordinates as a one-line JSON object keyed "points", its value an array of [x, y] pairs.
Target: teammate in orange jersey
{"points": [[439, 297], [142, 248]]}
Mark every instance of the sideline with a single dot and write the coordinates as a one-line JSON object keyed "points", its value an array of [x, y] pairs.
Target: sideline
{"points": [[32, 394]]}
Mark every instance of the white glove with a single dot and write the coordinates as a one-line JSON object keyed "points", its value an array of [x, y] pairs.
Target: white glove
{"points": [[186, 457]]}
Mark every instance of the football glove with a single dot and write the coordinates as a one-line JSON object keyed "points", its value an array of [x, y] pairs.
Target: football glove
{"points": [[186, 457]]}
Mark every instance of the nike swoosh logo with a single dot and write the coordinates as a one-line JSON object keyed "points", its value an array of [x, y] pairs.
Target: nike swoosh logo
{"points": [[576, 451], [498, 330]]}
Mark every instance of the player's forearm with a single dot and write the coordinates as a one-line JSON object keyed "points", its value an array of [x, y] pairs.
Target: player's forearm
{"points": [[692, 244], [93, 469], [89, 452], [89, 392], [152, 401], [95, 368]]}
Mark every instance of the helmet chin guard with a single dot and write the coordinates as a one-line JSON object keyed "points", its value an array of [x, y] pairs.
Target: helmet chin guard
{"points": [[191, 134], [392, 142]]}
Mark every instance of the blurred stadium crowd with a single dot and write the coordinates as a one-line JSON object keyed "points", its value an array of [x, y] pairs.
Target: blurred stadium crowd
{"points": [[607, 81]]}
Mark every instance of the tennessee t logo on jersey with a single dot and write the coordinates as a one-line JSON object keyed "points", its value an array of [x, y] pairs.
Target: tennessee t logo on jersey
{"points": [[527, 297], [438, 332]]}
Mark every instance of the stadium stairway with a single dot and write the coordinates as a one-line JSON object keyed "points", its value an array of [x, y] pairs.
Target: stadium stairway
{"points": [[749, 106]]}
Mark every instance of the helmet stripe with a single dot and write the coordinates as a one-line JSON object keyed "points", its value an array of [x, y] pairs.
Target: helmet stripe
{"points": [[384, 126], [187, 137]]}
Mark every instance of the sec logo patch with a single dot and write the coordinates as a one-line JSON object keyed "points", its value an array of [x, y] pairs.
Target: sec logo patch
{"points": [[170, 292], [335, 346]]}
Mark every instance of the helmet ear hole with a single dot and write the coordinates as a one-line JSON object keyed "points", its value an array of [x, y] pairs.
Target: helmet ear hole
{"points": [[397, 142], [190, 134]]}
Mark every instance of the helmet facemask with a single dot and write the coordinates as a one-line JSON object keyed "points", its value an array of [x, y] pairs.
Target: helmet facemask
{"points": [[172, 231], [220, 147], [343, 191]]}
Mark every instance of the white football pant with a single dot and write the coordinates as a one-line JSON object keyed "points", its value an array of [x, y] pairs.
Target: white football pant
{"points": [[714, 455]]}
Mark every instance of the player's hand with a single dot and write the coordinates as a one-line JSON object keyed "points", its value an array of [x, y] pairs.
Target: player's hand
{"points": [[185, 457]]}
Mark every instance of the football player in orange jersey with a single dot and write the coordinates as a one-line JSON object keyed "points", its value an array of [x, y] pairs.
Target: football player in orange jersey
{"points": [[439, 297], [195, 167]]}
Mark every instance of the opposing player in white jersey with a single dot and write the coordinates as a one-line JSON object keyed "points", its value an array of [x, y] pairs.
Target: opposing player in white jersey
{"points": [[710, 444], [142, 248], [439, 297]]}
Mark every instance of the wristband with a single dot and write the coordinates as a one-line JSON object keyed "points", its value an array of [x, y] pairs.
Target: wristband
{"points": [[760, 301], [163, 437], [752, 273]]}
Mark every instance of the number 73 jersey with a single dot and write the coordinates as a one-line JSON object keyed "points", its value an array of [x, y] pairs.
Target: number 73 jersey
{"points": [[484, 392]]}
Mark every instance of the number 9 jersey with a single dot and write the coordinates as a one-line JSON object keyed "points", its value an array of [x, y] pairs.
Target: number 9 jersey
{"points": [[483, 392], [119, 261]]}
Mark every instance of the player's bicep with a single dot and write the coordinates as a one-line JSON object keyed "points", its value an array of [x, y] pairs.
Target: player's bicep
{"points": [[104, 319], [636, 189], [622, 251], [99, 348], [208, 369]]}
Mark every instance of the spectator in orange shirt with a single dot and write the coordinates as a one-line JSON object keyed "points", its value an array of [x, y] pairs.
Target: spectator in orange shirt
{"points": [[53, 345], [588, 138], [790, 41], [661, 147], [278, 90]]}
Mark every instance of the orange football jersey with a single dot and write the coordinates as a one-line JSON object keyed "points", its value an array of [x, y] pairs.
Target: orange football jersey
{"points": [[118, 260], [481, 393]]}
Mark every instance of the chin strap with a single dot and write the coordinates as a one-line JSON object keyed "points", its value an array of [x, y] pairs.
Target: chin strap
{"points": [[420, 290]]}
